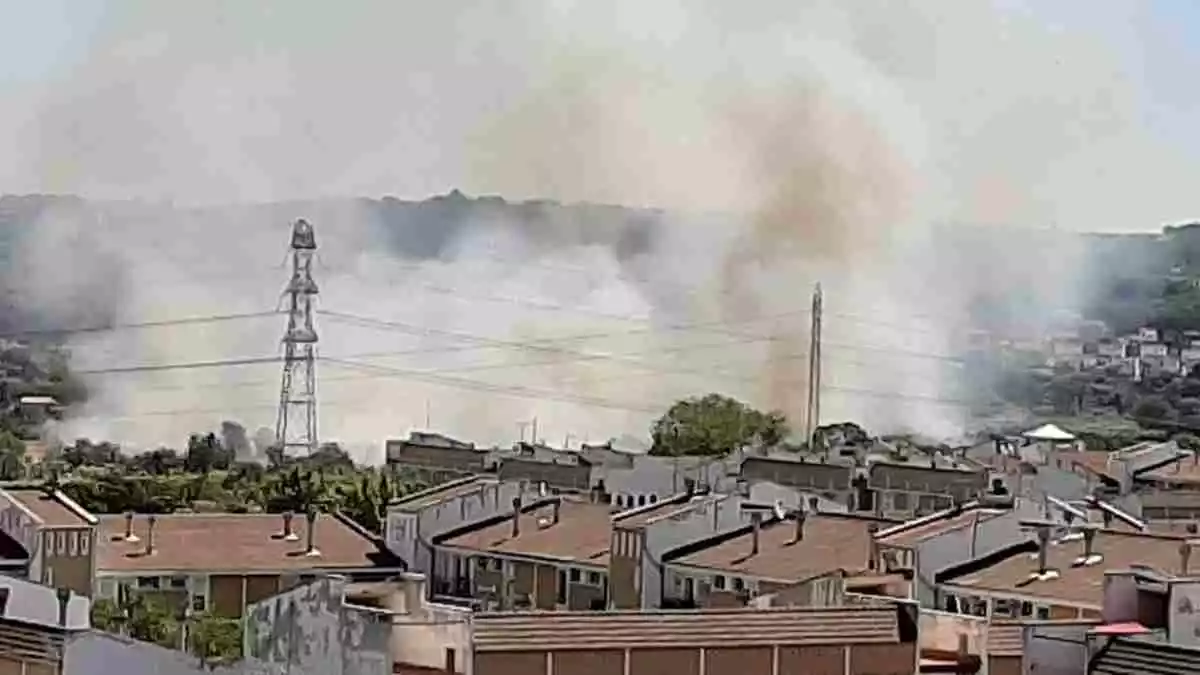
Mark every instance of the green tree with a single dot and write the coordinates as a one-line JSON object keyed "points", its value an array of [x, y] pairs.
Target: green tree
{"points": [[715, 425], [214, 640]]}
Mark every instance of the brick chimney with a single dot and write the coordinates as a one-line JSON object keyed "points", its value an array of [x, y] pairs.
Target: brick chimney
{"points": [[151, 520], [288, 533], [129, 535]]}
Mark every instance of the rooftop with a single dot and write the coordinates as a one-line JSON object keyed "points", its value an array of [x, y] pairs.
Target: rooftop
{"points": [[916, 531], [234, 541], [737, 627], [1075, 583], [53, 509], [1184, 471], [830, 542], [583, 532], [433, 496]]}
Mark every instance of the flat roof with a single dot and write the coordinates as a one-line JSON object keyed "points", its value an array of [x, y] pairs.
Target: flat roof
{"points": [[233, 541], [1077, 584], [831, 542]]}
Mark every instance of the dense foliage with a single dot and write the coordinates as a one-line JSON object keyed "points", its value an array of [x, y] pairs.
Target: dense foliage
{"points": [[150, 618], [715, 425]]}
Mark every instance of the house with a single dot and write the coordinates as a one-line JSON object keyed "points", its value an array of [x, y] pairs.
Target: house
{"points": [[914, 489], [222, 562], [552, 553], [1061, 576], [833, 479], [48, 538], [775, 550], [435, 456], [37, 409]]}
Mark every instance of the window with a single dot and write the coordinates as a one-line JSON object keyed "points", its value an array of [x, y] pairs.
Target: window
{"points": [[653, 499], [1043, 613], [73, 543], [719, 582], [148, 582], [641, 500], [900, 501], [178, 582], [739, 584], [562, 587], [1026, 608], [574, 574], [60, 543], [85, 542], [594, 578], [199, 603]]}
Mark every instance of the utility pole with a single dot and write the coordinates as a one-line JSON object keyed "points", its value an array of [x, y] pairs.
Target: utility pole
{"points": [[296, 424], [812, 416]]}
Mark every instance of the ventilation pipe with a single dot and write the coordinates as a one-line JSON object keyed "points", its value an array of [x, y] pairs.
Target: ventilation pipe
{"points": [[557, 510], [801, 516], [516, 517], [129, 535], [288, 533], [310, 547], [755, 527], [150, 522], [1089, 542], [1043, 535]]}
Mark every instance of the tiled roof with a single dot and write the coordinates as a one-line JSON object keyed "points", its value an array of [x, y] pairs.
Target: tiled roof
{"points": [[831, 542], [1185, 472], [915, 532], [582, 533], [1081, 585], [48, 508], [729, 628], [234, 542]]}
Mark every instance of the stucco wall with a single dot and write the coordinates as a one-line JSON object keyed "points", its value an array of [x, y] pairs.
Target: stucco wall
{"points": [[311, 629], [97, 653]]}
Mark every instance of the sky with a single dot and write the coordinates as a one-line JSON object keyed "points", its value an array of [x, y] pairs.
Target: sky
{"points": [[224, 101]]}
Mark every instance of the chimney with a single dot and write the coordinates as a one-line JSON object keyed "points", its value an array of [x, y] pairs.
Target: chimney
{"points": [[310, 547], [64, 601], [516, 524], [756, 525], [1043, 535], [129, 535], [288, 534], [557, 509], [801, 516], [1185, 557], [1089, 541], [150, 522]]}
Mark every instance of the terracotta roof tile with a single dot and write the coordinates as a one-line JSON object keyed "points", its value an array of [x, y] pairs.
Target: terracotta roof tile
{"points": [[48, 509], [734, 627], [831, 542], [1082, 585], [229, 541]]}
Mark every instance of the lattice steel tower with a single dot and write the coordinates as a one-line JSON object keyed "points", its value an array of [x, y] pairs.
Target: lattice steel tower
{"points": [[296, 425]]}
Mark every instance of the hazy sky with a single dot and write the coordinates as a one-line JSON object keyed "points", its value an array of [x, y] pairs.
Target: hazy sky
{"points": [[1073, 113]]}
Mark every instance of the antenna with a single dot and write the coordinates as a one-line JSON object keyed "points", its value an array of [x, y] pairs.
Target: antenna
{"points": [[296, 424]]}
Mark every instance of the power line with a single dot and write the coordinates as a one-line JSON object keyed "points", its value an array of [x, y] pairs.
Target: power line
{"points": [[140, 325]]}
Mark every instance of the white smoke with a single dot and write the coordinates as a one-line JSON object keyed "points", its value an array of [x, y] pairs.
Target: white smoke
{"points": [[827, 138]]}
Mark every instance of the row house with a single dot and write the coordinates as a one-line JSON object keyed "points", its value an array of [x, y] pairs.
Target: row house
{"points": [[208, 562]]}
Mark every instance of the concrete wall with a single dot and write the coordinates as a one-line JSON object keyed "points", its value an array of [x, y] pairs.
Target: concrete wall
{"points": [[408, 533], [423, 637], [706, 516], [312, 631], [952, 548], [944, 630], [1056, 648]]}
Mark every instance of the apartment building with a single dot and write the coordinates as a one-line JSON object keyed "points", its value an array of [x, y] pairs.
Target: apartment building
{"points": [[902, 490], [1061, 575], [833, 479], [222, 562], [436, 457]]}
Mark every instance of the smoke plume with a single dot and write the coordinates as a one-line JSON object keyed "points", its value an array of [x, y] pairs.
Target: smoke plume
{"points": [[772, 147]]}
